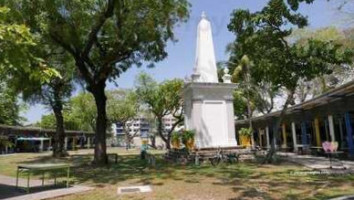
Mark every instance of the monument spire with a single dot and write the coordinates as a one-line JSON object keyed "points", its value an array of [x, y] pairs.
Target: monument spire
{"points": [[205, 64], [209, 106]]}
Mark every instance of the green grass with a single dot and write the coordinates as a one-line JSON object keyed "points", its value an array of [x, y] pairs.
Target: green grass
{"points": [[170, 181]]}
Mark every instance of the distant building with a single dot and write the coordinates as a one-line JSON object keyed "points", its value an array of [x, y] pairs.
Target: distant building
{"points": [[168, 122], [141, 127]]}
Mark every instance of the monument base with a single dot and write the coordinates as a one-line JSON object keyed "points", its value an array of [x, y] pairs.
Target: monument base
{"points": [[209, 111]]}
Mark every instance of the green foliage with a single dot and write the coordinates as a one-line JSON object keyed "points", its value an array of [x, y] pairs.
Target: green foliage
{"points": [[325, 34], [175, 137], [263, 95], [241, 73], [161, 100], [55, 92], [82, 107], [187, 135], [240, 104], [105, 38], [245, 132], [9, 106], [122, 105], [70, 122], [4, 142], [262, 37], [80, 112], [340, 73], [16, 50]]}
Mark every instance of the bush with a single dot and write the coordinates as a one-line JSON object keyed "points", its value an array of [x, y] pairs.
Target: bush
{"points": [[187, 135], [245, 132], [188, 139], [175, 140]]}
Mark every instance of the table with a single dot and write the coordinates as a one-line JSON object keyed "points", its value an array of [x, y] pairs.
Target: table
{"points": [[302, 148], [330, 157], [316, 149], [30, 168]]}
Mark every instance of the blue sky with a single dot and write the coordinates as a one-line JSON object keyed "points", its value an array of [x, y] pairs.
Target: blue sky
{"points": [[180, 60]]}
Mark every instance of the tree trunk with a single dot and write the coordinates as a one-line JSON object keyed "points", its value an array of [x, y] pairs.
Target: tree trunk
{"points": [[160, 132], [249, 110], [101, 123], [174, 125], [276, 132], [126, 135], [59, 137], [153, 141], [250, 120]]}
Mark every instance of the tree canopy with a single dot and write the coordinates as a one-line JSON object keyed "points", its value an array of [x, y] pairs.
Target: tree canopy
{"points": [[105, 38], [10, 107], [263, 38], [162, 100], [16, 55]]}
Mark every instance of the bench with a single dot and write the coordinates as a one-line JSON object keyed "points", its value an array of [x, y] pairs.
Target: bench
{"points": [[114, 155]]}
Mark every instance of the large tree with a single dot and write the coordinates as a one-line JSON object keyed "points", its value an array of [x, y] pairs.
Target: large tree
{"points": [[262, 36], [105, 38], [54, 93], [164, 99]]}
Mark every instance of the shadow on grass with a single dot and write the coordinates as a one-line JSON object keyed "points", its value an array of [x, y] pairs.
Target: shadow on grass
{"points": [[9, 191], [246, 179]]}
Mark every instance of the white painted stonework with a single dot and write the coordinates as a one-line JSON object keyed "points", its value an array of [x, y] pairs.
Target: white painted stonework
{"points": [[209, 104], [205, 64]]}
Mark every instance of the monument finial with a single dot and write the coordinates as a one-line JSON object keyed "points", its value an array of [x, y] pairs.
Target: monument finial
{"points": [[227, 77], [203, 15]]}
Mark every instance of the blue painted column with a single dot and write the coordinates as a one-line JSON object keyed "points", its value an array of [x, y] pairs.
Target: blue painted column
{"points": [[349, 133], [303, 133]]}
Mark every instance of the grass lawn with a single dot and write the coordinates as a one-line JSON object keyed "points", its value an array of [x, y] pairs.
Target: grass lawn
{"points": [[169, 181]]}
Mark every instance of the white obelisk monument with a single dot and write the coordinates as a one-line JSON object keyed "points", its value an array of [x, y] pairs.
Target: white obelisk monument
{"points": [[209, 104]]}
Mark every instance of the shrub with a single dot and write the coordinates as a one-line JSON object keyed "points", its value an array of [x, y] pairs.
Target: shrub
{"points": [[245, 132]]}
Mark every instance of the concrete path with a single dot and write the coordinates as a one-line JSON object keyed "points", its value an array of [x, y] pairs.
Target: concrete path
{"points": [[11, 181], [344, 198], [8, 189], [52, 193], [315, 162]]}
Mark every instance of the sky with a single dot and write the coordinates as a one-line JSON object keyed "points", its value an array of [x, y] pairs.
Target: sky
{"points": [[181, 55]]}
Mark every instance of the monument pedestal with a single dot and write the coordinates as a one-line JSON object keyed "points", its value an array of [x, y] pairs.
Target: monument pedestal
{"points": [[209, 111]]}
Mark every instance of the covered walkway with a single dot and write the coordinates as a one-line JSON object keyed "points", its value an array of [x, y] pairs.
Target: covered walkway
{"points": [[328, 117], [316, 162], [35, 139]]}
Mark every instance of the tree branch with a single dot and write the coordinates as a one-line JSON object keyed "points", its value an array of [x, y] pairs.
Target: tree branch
{"points": [[174, 125], [63, 44], [79, 61], [97, 27]]}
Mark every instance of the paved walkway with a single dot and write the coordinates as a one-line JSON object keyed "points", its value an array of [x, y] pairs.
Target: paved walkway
{"points": [[315, 162], [9, 191]]}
